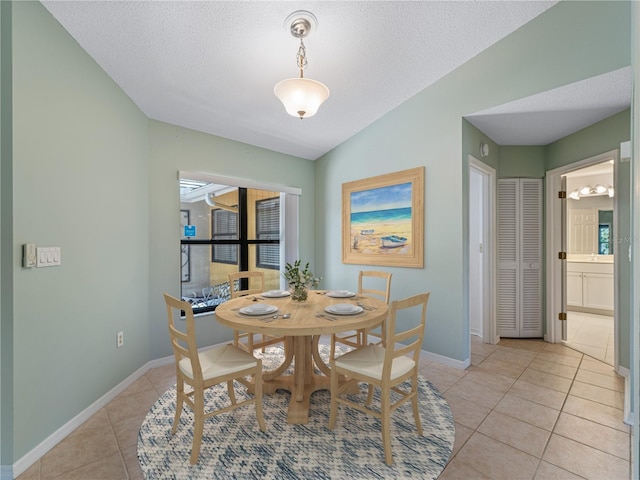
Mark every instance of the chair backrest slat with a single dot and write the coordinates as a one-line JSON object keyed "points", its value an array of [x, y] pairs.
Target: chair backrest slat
{"points": [[184, 344], [382, 293], [235, 279], [415, 331]]}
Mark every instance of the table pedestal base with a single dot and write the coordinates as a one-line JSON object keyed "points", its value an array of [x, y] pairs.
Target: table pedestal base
{"points": [[303, 353], [298, 409]]}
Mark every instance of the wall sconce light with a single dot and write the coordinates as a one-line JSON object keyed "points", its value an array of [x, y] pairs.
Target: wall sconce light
{"points": [[301, 96], [484, 150], [592, 191]]}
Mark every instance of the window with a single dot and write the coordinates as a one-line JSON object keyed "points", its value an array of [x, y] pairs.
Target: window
{"points": [[224, 226], [604, 239], [605, 232], [268, 228], [227, 228]]}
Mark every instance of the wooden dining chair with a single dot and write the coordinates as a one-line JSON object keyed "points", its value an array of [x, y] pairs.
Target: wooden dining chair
{"points": [[367, 280], [254, 286], [204, 370], [385, 367]]}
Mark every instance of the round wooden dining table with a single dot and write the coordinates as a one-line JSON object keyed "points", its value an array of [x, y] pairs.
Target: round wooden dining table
{"points": [[302, 331]]}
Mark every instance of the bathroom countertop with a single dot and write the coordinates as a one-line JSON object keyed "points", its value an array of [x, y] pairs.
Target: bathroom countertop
{"points": [[577, 258]]}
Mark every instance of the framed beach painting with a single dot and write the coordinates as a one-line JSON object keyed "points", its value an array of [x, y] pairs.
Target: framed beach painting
{"points": [[382, 220]]}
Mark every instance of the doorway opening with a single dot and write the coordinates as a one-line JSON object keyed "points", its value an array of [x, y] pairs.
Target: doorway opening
{"points": [[590, 257], [584, 288], [482, 251]]}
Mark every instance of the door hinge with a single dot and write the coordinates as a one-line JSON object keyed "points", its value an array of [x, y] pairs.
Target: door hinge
{"points": [[562, 316], [562, 255], [562, 194]]}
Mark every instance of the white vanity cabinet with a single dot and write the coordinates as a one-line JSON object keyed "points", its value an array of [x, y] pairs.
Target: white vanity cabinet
{"points": [[590, 285]]}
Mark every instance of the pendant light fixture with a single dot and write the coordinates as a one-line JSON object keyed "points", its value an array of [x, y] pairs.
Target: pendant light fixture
{"points": [[301, 96]]}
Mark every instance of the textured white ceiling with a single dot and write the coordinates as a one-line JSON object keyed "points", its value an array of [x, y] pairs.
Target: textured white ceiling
{"points": [[211, 66], [544, 118]]}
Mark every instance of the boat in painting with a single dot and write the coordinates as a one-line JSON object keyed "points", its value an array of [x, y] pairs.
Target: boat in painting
{"points": [[393, 241], [368, 231]]}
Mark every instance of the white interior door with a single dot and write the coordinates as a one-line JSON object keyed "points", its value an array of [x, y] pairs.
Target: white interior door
{"points": [[508, 207], [530, 227], [476, 251], [564, 279]]}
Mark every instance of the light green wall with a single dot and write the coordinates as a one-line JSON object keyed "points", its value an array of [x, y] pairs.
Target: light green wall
{"points": [[6, 245], [601, 137], [471, 140], [548, 52], [175, 148], [522, 161], [598, 138], [80, 182], [91, 174]]}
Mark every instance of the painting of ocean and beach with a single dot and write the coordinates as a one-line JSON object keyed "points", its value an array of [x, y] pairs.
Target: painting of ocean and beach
{"points": [[382, 219]]}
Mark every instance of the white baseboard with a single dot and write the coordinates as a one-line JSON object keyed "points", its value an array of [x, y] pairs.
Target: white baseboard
{"points": [[7, 472], [56, 437], [459, 364]]}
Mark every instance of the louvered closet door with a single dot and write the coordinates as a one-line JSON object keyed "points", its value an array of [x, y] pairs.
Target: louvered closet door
{"points": [[507, 311], [530, 257], [519, 258]]}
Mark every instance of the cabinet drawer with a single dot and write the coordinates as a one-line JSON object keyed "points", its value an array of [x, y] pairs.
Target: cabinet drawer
{"points": [[590, 267]]}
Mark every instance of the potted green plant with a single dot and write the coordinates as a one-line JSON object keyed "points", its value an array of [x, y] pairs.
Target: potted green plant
{"points": [[300, 280]]}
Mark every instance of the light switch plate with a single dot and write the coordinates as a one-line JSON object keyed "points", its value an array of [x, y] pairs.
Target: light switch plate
{"points": [[48, 257]]}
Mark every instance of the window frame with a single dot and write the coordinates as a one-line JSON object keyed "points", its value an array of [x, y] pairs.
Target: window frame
{"points": [[242, 241]]}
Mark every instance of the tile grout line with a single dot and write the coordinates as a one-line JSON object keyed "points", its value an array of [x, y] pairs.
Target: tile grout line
{"points": [[555, 423]]}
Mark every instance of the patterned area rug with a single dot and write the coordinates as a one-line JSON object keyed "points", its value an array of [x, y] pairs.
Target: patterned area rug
{"points": [[233, 447]]}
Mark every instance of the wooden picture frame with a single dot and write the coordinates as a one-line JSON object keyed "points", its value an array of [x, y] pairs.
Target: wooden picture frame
{"points": [[383, 220]]}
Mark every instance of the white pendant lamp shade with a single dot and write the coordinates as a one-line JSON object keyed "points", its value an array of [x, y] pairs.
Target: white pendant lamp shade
{"points": [[301, 97]]}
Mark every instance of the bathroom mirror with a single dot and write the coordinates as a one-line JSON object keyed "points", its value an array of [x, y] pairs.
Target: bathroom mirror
{"points": [[590, 226]]}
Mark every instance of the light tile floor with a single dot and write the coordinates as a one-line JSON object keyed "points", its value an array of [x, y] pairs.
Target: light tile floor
{"points": [[525, 409], [591, 334]]}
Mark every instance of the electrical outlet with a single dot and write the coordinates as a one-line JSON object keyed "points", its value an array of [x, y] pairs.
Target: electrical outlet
{"points": [[119, 339]]}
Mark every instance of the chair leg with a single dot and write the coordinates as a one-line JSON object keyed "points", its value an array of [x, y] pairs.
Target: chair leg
{"points": [[386, 425], [414, 403], [258, 397], [198, 424], [232, 393], [179, 404], [370, 388], [334, 395]]}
